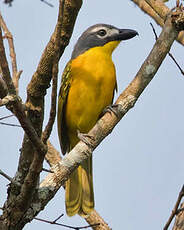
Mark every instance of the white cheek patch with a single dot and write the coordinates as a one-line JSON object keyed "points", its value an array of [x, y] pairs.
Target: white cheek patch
{"points": [[109, 31], [112, 32]]}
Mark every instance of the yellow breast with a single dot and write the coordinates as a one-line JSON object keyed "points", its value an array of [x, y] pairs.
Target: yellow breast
{"points": [[91, 90]]}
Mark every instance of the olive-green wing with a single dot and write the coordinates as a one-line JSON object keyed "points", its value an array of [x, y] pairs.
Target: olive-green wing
{"points": [[63, 93]]}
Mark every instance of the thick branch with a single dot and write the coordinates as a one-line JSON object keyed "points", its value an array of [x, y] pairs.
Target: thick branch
{"points": [[94, 218], [53, 156]]}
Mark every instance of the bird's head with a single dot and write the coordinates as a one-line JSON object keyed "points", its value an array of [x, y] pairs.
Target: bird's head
{"points": [[100, 35]]}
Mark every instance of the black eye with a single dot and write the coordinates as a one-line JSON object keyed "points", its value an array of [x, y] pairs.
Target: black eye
{"points": [[102, 33]]}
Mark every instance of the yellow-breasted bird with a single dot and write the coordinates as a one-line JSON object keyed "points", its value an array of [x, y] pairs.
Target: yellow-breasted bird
{"points": [[87, 87]]}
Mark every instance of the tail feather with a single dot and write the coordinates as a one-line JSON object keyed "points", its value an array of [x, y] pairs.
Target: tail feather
{"points": [[73, 193], [79, 196], [87, 187]]}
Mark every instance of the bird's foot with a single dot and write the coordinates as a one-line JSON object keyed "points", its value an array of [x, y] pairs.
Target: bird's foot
{"points": [[86, 138], [112, 109]]}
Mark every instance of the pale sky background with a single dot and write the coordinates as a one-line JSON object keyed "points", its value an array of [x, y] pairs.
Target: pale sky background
{"points": [[138, 169]]}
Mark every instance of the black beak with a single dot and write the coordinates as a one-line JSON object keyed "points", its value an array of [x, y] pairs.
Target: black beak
{"points": [[125, 34]]}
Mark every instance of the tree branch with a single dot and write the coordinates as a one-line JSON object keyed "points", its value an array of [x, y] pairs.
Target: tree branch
{"points": [[158, 11], [175, 210], [4, 67], [5, 117], [5, 176], [53, 156], [93, 218], [179, 221], [9, 37], [159, 7], [48, 3], [7, 100], [8, 124], [3, 88], [48, 128], [64, 225], [144, 6]]}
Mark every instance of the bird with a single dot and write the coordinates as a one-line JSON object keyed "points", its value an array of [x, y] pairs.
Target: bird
{"points": [[87, 87]]}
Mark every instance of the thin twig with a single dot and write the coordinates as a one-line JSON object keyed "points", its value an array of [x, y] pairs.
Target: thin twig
{"points": [[156, 37], [50, 123], [64, 225], [54, 221], [5, 71], [6, 176], [9, 37], [48, 3], [47, 170], [175, 210], [10, 124], [2, 118], [170, 55]]}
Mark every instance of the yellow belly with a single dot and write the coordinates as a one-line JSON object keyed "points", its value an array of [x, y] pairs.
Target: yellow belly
{"points": [[90, 92]]}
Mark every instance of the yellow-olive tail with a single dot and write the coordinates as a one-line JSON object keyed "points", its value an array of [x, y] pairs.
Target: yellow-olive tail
{"points": [[79, 198]]}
